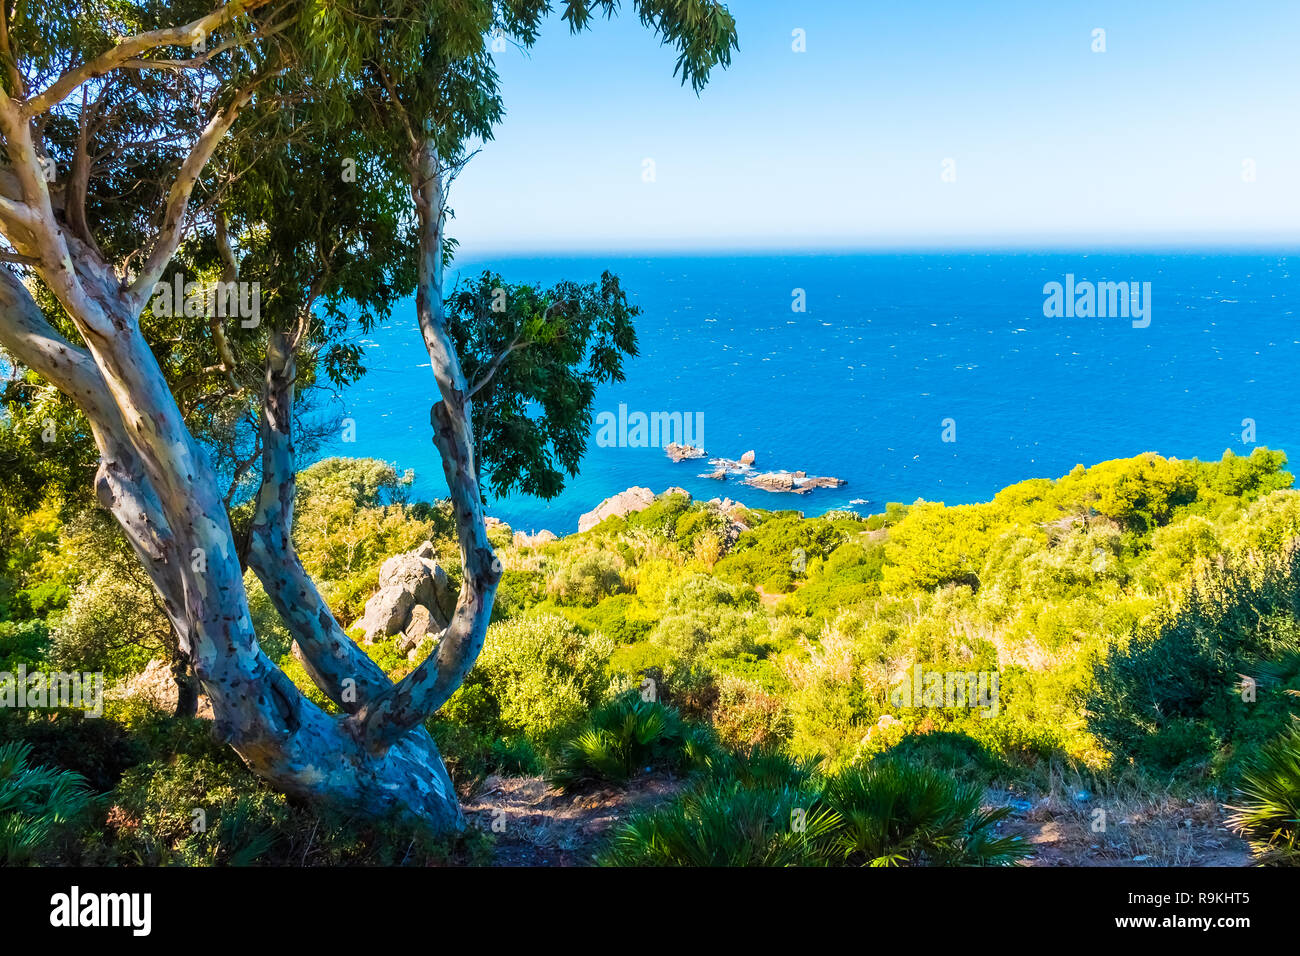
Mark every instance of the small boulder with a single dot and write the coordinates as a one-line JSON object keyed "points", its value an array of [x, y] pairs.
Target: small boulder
{"points": [[420, 624], [386, 612], [419, 573]]}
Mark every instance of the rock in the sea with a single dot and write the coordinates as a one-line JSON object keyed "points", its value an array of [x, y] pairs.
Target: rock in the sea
{"points": [[732, 466], [623, 503], [798, 482], [747, 458], [682, 452]]}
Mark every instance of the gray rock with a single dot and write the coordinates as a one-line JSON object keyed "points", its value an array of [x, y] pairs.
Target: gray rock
{"points": [[419, 573], [386, 612], [407, 581], [421, 622], [798, 482], [624, 503]]}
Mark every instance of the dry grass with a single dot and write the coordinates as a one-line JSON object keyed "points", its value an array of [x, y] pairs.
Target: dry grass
{"points": [[1131, 820]]}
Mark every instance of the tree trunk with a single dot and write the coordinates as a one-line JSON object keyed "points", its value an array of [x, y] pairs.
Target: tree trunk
{"points": [[187, 691], [158, 483]]}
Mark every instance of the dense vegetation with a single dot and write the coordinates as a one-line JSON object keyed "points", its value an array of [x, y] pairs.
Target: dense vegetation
{"points": [[1141, 617]]}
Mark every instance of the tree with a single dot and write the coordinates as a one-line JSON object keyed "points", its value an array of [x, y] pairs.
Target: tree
{"points": [[125, 137]]}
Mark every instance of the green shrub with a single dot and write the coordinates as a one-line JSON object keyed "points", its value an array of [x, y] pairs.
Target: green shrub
{"points": [[1268, 814], [472, 755], [623, 618], [38, 805], [98, 749], [112, 624], [23, 642], [1171, 696], [726, 825], [587, 578], [623, 738], [535, 676], [770, 810], [211, 811], [896, 814], [951, 752]]}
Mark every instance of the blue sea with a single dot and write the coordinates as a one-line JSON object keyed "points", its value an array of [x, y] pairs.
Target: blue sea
{"points": [[890, 345]]}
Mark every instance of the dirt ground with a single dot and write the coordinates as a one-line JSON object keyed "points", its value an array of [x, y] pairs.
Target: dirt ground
{"points": [[538, 826], [1164, 832]]}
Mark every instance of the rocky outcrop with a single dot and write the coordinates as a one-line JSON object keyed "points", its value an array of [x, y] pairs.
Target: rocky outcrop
{"points": [[682, 452], [798, 482], [407, 582], [622, 504], [156, 685], [731, 466], [735, 514], [524, 540], [419, 625], [748, 458]]}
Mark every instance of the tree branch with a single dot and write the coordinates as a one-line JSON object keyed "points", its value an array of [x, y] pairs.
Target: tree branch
{"points": [[132, 47], [383, 721], [169, 236], [342, 670]]}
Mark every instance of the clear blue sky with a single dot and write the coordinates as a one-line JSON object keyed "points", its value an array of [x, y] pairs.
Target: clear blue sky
{"points": [[843, 145]]}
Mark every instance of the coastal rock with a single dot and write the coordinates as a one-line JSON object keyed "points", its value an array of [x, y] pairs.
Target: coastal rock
{"points": [[747, 458], [493, 523], [682, 452], [523, 540], [624, 503], [674, 490], [798, 482], [731, 465]]}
